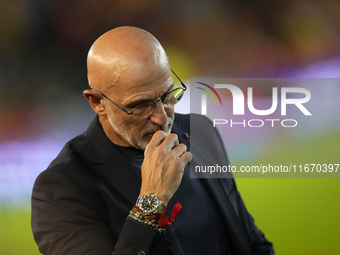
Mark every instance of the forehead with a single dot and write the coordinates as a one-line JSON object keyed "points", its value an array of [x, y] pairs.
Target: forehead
{"points": [[143, 87]]}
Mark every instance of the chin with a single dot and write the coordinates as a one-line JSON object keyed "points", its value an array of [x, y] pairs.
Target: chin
{"points": [[145, 142], [141, 145]]}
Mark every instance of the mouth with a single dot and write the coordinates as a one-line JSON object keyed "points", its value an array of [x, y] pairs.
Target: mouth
{"points": [[149, 135]]}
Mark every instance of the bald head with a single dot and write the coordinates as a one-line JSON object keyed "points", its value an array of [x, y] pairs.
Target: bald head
{"points": [[123, 53], [127, 67]]}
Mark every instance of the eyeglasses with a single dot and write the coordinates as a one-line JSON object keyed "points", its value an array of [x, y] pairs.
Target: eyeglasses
{"points": [[144, 110]]}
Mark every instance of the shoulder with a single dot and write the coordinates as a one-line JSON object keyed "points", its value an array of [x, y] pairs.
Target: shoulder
{"points": [[71, 165], [70, 177], [74, 151]]}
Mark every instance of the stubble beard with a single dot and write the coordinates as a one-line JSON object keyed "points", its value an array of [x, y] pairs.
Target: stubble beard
{"points": [[138, 141]]}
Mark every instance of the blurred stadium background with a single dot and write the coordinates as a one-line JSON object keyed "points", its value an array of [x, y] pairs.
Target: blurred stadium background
{"points": [[43, 48]]}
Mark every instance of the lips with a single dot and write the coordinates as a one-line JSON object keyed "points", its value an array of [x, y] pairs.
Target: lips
{"points": [[150, 134]]}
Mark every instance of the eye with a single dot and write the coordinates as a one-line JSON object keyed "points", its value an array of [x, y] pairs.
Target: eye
{"points": [[142, 109], [134, 105]]}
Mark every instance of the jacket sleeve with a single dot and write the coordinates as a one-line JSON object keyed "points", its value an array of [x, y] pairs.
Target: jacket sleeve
{"points": [[65, 221]]}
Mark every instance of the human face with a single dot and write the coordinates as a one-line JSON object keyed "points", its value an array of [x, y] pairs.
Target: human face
{"points": [[131, 132]]}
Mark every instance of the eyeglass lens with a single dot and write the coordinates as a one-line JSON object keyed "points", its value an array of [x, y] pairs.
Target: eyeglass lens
{"points": [[169, 100]]}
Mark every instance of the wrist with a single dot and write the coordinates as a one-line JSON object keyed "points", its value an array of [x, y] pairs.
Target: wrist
{"points": [[149, 220], [161, 196]]}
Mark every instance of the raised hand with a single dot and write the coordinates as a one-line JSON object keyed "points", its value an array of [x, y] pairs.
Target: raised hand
{"points": [[163, 166]]}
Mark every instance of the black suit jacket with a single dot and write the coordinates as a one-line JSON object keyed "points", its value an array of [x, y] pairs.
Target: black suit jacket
{"points": [[81, 202]]}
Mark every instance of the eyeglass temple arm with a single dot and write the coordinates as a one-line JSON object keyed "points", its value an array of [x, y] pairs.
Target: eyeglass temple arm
{"points": [[185, 87], [129, 113]]}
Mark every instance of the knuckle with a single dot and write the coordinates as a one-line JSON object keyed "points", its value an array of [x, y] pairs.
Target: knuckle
{"points": [[183, 147], [160, 151], [173, 136], [158, 135]]}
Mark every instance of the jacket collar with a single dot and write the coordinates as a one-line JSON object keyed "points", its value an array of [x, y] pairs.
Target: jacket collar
{"points": [[111, 164]]}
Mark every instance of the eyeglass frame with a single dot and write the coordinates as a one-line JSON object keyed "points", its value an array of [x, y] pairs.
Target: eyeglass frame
{"points": [[153, 102]]}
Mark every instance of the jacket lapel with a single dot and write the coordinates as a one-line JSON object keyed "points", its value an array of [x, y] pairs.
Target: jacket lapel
{"points": [[111, 164], [220, 191]]}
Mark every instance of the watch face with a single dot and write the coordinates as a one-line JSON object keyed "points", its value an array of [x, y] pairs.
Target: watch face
{"points": [[149, 204]]}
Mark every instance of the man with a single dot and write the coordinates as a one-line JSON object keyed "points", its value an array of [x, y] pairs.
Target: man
{"points": [[136, 151]]}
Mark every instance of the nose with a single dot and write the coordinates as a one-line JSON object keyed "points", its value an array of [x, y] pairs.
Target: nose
{"points": [[159, 115]]}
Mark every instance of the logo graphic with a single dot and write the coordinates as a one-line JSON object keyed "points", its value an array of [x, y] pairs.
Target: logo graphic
{"points": [[204, 97], [208, 92], [289, 96]]}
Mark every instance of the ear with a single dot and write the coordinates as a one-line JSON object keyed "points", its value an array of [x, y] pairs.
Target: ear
{"points": [[95, 101]]}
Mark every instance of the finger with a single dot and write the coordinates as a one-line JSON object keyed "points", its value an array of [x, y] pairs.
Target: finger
{"points": [[170, 142], [186, 157], [156, 140], [179, 150]]}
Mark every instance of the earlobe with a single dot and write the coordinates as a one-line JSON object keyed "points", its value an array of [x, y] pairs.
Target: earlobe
{"points": [[95, 101]]}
